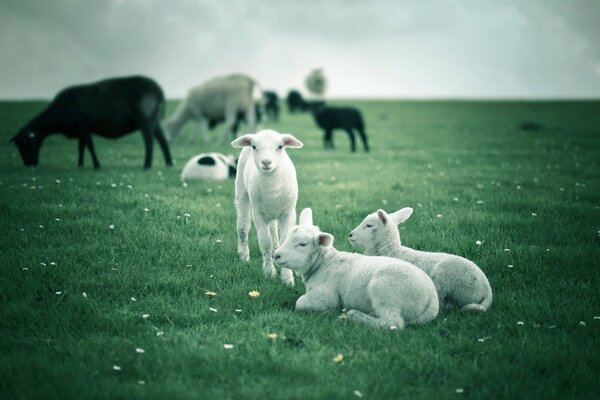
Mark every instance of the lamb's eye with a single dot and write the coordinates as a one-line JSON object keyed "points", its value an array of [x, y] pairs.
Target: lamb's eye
{"points": [[302, 244], [369, 226], [280, 147], [253, 147]]}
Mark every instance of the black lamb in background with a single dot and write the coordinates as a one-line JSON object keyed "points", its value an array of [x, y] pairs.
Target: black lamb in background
{"points": [[296, 102], [271, 104], [347, 118]]}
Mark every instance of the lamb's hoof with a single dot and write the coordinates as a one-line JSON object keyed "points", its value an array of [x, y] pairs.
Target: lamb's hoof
{"points": [[244, 256], [269, 271], [287, 277]]}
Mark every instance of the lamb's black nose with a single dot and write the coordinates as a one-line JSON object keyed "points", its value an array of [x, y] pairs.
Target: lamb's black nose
{"points": [[350, 235], [276, 256]]}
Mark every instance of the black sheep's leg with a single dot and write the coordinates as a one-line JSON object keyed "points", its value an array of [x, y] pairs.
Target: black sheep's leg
{"points": [[90, 146], [147, 135], [328, 139], [363, 136], [352, 140], [162, 141], [81, 151]]}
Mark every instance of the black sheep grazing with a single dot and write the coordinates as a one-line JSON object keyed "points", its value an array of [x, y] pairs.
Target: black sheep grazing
{"points": [[110, 108], [271, 104], [296, 102], [330, 118]]}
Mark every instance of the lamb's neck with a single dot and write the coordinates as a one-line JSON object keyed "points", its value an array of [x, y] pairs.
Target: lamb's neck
{"points": [[318, 266], [389, 245]]}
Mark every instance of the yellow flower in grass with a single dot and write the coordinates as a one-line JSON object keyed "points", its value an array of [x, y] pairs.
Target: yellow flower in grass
{"points": [[339, 358], [210, 293], [254, 293], [272, 336]]}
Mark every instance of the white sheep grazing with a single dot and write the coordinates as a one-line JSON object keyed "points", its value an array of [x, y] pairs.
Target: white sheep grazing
{"points": [[458, 281], [266, 190], [316, 83], [379, 291], [220, 98]]}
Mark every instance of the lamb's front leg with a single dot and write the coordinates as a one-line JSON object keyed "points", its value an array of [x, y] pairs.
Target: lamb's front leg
{"points": [[265, 242], [244, 221], [317, 300], [285, 224]]}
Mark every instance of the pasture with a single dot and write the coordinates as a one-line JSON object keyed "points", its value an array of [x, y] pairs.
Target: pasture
{"points": [[124, 283]]}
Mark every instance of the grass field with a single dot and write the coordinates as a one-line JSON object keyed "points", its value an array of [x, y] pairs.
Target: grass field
{"points": [[78, 299]]}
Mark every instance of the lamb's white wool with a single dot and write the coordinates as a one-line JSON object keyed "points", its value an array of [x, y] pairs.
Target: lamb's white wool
{"points": [[380, 291], [458, 281], [219, 98], [316, 83], [266, 190]]}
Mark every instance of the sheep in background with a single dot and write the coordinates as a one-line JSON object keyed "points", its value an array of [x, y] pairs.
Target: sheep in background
{"points": [[329, 118], [271, 104], [266, 190], [457, 280], [219, 98], [295, 102], [316, 83], [211, 166], [379, 291]]}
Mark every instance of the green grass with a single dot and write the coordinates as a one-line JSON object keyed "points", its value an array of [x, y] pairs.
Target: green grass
{"points": [[439, 157]]}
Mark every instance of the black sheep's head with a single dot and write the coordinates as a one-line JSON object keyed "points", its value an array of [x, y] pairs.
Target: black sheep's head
{"points": [[29, 144]]}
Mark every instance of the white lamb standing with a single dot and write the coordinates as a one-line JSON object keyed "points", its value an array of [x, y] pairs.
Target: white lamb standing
{"points": [[457, 280], [266, 190], [379, 291]]}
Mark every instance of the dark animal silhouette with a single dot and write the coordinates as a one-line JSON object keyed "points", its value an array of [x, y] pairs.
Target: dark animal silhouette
{"points": [[347, 118], [240, 117], [110, 108], [296, 102], [271, 104]]}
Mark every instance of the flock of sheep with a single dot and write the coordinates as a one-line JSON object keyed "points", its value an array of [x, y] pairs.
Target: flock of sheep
{"points": [[390, 286], [116, 107]]}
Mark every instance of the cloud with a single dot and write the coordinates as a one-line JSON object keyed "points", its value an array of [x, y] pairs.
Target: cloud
{"points": [[374, 49]]}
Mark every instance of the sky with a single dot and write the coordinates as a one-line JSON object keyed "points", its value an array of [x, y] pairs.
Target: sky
{"points": [[367, 49]]}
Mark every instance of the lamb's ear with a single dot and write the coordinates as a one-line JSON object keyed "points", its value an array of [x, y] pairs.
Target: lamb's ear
{"points": [[243, 141], [383, 216], [324, 239], [401, 215], [306, 217], [291, 141]]}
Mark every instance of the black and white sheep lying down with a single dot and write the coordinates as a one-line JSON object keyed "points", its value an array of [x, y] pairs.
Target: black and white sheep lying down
{"points": [[110, 108]]}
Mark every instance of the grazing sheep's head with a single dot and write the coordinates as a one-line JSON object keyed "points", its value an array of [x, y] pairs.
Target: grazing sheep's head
{"points": [[29, 144], [377, 226], [302, 244], [268, 147]]}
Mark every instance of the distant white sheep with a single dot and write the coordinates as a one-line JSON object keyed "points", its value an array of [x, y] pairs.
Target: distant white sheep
{"points": [[457, 280], [212, 166], [316, 83], [379, 291], [220, 98], [266, 190]]}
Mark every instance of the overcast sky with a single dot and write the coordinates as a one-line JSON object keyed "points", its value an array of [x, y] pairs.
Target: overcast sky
{"points": [[420, 48]]}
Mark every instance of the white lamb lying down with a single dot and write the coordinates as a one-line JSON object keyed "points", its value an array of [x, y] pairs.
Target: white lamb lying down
{"points": [[457, 280], [379, 291], [212, 166]]}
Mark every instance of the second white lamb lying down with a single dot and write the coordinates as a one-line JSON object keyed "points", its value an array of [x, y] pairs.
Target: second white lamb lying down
{"points": [[458, 281], [379, 291]]}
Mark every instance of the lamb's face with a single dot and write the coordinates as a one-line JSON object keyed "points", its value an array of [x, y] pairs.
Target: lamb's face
{"points": [[268, 148], [365, 234], [300, 247], [377, 227]]}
